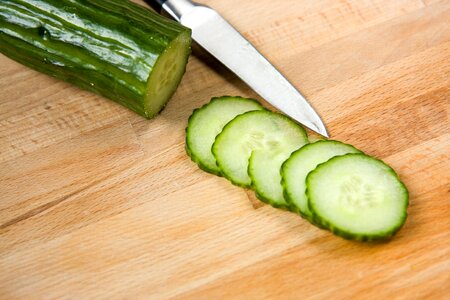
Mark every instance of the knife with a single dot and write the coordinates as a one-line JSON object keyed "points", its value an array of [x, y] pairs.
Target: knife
{"points": [[225, 43]]}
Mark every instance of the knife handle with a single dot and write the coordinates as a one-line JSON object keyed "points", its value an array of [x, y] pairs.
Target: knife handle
{"points": [[175, 8], [156, 4]]}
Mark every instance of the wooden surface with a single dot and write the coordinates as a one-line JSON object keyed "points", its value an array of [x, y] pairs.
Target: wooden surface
{"points": [[96, 202]]}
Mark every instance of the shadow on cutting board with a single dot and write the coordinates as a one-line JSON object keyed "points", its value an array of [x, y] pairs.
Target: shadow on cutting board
{"points": [[215, 65]]}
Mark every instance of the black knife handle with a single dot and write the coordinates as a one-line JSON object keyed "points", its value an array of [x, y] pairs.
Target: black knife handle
{"points": [[156, 4], [174, 8]]}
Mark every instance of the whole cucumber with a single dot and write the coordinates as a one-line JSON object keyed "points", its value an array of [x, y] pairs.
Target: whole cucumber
{"points": [[114, 48]]}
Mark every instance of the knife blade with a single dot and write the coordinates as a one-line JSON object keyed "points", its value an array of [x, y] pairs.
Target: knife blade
{"points": [[219, 38]]}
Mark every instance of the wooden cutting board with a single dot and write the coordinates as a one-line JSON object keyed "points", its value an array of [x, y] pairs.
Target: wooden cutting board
{"points": [[96, 202]]}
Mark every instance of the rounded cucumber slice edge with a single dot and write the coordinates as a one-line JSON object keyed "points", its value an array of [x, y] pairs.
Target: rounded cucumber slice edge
{"points": [[206, 122], [357, 197], [264, 170]]}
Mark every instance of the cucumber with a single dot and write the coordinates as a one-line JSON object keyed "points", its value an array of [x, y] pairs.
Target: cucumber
{"points": [[268, 138], [114, 48], [295, 169], [207, 122], [357, 197]]}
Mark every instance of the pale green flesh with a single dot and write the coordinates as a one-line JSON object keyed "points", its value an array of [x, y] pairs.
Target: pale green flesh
{"points": [[303, 161], [166, 75], [357, 195], [207, 122], [264, 170], [254, 131]]}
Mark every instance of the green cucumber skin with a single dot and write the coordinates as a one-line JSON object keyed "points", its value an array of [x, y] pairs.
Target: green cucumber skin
{"points": [[222, 174], [192, 156], [380, 236], [269, 201], [108, 47]]}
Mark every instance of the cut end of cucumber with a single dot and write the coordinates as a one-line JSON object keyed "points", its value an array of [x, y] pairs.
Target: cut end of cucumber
{"points": [[357, 197], [167, 74]]}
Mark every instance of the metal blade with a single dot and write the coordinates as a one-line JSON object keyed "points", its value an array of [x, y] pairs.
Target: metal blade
{"points": [[220, 39]]}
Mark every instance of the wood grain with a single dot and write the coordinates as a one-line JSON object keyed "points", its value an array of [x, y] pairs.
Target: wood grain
{"points": [[98, 203]]}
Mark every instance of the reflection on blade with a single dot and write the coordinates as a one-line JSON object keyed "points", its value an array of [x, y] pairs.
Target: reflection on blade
{"points": [[220, 39]]}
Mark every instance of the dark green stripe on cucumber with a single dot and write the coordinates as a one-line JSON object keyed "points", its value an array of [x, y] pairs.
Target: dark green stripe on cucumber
{"points": [[114, 48]]}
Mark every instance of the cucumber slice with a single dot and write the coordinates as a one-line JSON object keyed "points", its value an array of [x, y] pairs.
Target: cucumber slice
{"points": [[207, 122], [303, 161], [264, 171], [266, 136], [357, 197]]}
